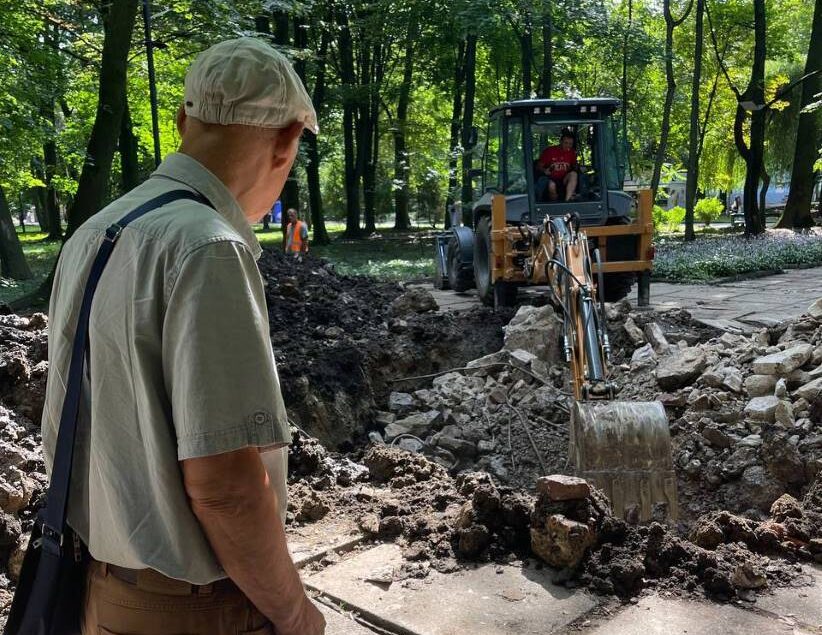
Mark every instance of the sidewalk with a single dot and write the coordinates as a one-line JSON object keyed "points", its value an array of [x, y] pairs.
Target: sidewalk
{"points": [[742, 306], [496, 599]]}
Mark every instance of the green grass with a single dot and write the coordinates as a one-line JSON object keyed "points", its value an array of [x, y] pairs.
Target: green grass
{"points": [[387, 255], [40, 254]]}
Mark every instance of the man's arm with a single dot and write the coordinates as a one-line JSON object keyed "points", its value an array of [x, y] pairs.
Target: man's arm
{"points": [[230, 497], [304, 237]]}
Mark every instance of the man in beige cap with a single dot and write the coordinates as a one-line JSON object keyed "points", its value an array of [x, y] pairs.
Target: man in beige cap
{"points": [[178, 482]]}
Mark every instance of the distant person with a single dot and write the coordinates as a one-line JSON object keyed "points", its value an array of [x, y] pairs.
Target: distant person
{"points": [[296, 234], [559, 168], [736, 206], [179, 479]]}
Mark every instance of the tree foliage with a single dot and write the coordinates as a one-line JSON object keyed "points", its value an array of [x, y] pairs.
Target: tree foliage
{"points": [[393, 88]]}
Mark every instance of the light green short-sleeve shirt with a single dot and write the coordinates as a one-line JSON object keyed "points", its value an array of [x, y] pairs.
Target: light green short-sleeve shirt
{"points": [[180, 366]]}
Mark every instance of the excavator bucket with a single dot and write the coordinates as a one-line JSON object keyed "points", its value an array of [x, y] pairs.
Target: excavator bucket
{"points": [[624, 448]]}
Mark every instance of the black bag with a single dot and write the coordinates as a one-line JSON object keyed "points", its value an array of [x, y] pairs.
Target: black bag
{"points": [[49, 596]]}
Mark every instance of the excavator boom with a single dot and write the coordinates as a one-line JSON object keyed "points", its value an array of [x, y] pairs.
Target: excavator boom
{"points": [[623, 447]]}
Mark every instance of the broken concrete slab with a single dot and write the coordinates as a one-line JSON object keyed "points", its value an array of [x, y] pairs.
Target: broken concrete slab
{"points": [[760, 385], [762, 408], [783, 362], [341, 623], [811, 390], [656, 337], [681, 368], [310, 542], [801, 603], [661, 616], [815, 310], [488, 600]]}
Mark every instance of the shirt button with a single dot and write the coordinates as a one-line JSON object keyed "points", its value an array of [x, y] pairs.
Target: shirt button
{"points": [[261, 417]]}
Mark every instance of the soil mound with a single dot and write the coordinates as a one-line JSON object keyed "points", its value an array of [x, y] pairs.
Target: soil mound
{"points": [[339, 339]]}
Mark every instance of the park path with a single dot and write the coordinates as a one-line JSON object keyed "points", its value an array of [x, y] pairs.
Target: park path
{"points": [[737, 306], [359, 595]]}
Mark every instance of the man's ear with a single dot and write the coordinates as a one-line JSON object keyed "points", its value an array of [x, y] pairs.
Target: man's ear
{"points": [[181, 119], [284, 140]]}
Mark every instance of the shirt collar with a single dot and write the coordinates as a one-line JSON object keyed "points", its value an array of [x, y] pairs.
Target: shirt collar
{"points": [[188, 171]]}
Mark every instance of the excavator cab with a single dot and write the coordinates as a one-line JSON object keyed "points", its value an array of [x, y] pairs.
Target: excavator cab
{"points": [[517, 134]]}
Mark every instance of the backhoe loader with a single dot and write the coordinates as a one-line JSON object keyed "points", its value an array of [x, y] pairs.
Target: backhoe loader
{"points": [[585, 246]]}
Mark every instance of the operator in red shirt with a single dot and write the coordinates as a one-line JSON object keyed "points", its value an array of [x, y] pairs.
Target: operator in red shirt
{"points": [[558, 165]]}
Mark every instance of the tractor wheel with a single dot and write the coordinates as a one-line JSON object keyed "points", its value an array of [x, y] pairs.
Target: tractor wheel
{"points": [[482, 261], [458, 279], [440, 277]]}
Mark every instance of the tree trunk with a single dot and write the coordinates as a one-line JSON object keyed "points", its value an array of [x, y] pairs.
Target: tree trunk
{"points": [[527, 52], [49, 218], [624, 83], [290, 196], [547, 51], [312, 168], [692, 181], [755, 93], [347, 79], [118, 24], [468, 118], [670, 89], [129, 162], [368, 108], [763, 192], [402, 168], [798, 207], [456, 117], [12, 260]]}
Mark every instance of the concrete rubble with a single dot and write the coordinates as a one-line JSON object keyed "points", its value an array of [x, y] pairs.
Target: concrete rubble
{"points": [[471, 464]]}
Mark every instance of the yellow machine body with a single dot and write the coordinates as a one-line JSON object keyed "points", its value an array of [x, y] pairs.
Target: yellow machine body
{"points": [[622, 447]]}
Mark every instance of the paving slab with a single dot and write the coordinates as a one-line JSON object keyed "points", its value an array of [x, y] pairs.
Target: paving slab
{"points": [[804, 604], [661, 616], [337, 623], [311, 542], [487, 600]]}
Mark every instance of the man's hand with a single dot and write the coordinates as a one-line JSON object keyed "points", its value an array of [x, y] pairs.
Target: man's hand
{"points": [[237, 510]]}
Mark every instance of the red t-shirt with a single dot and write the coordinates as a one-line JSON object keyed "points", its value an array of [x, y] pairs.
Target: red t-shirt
{"points": [[558, 161]]}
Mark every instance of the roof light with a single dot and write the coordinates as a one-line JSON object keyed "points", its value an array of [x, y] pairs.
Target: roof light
{"points": [[593, 108], [583, 108], [536, 111], [508, 112], [547, 110]]}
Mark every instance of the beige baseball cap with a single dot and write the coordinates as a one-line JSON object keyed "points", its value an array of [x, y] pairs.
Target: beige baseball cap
{"points": [[245, 81]]}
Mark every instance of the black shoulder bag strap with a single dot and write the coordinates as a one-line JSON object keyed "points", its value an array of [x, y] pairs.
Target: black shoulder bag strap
{"points": [[41, 603]]}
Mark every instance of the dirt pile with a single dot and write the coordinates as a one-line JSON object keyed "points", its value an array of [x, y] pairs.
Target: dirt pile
{"points": [[23, 368], [338, 339], [443, 523]]}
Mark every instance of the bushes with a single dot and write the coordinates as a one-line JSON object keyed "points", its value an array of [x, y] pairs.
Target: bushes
{"points": [[707, 210], [723, 256], [668, 220]]}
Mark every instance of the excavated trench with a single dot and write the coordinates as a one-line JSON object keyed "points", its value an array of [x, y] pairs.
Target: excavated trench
{"points": [[446, 465]]}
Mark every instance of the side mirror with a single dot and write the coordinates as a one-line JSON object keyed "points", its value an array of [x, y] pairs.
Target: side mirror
{"points": [[472, 138]]}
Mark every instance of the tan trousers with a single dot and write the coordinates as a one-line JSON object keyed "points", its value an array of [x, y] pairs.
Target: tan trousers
{"points": [[152, 604]]}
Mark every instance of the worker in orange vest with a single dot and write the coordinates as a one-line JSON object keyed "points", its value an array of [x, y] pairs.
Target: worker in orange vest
{"points": [[296, 234]]}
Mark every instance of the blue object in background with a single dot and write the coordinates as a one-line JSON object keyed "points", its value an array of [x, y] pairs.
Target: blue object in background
{"points": [[277, 212]]}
